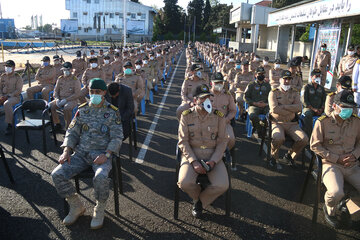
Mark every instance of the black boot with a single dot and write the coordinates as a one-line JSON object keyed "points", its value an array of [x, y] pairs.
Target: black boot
{"points": [[8, 129], [197, 209], [57, 128], [331, 220], [289, 160], [345, 217]]}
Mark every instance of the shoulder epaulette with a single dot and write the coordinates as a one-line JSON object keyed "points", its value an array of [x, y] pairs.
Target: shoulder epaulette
{"points": [[83, 105], [358, 61], [330, 94], [113, 107], [355, 115], [322, 117], [217, 112], [228, 93], [186, 112], [274, 89], [294, 89]]}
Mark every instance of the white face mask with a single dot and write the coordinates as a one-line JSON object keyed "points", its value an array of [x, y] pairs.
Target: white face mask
{"points": [[199, 74], [231, 60], [265, 63], [151, 58], [66, 72], [317, 80], [219, 87], [277, 66], [285, 87], [207, 105], [257, 59], [138, 67], [78, 58], [8, 70], [145, 62], [351, 53], [118, 50], [227, 57], [141, 51], [93, 65], [158, 55], [106, 61]]}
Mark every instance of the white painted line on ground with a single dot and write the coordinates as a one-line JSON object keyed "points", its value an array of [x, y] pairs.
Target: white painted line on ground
{"points": [[145, 145]]}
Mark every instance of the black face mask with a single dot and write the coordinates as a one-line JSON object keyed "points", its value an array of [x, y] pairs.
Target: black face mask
{"points": [[260, 77]]}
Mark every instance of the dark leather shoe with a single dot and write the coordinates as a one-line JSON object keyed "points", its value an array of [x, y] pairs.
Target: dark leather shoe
{"points": [[289, 160], [57, 128], [8, 130], [272, 162], [331, 220], [345, 217], [197, 209]]}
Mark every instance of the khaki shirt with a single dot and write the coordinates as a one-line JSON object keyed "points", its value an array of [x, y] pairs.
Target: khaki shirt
{"points": [[296, 81], [198, 133], [224, 102], [46, 75], [100, 59], [117, 66], [331, 138], [79, 66], [11, 85], [253, 66], [91, 73], [322, 59], [275, 75], [134, 81], [108, 71], [58, 70], [347, 64], [267, 70], [242, 80], [188, 87], [67, 88], [284, 104], [328, 103]]}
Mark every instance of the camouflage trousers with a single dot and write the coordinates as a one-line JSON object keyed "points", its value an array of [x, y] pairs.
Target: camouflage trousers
{"points": [[63, 173]]}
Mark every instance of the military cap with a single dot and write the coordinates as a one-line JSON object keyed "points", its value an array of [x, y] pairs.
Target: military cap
{"points": [[316, 72], [345, 82], [78, 53], [218, 77], [324, 45], [351, 48], [151, 53], [97, 83], [345, 98], [101, 50], [106, 57], [286, 74], [266, 58], [93, 59], [195, 67], [66, 65], [260, 70], [277, 61], [201, 91], [198, 60], [132, 51], [238, 62], [117, 54], [232, 56], [245, 62], [10, 63], [92, 50], [146, 58], [139, 61], [128, 64], [45, 59], [55, 57]]}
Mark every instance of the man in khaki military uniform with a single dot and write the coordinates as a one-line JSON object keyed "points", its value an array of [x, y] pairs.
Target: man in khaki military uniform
{"points": [[241, 82], [149, 82], [153, 65], [133, 81], [11, 85], [66, 94], [296, 81], [223, 102], [267, 68], [275, 74], [254, 64], [256, 95], [347, 62], [229, 64], [343, 83], [100, 57], [108, 69], [284, 103], [336, 139], [45, 76], [111, 54], [313, 100], [187, 89], [79, 65], [202, 138], [117, 64], [57, 66], [93, 72], [323, 62], [230, 80]]}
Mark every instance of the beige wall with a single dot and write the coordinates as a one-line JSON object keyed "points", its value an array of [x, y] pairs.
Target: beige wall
{"points": [[301, 49]]}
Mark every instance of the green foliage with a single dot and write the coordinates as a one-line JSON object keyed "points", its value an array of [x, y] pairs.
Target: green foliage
{"points": [[28, 27], [47, 28], [305, 36], [284, 3]]}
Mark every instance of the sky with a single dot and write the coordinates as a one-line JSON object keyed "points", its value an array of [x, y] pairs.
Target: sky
{"points": [[54, 10]]}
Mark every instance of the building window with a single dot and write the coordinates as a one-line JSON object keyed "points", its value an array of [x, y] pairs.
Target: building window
{"points": [[133, 15], [97, 1], [121, 15], [88, 1], [111, 15], [143, 16], [84, 13], [74, 14], [86, 30]]}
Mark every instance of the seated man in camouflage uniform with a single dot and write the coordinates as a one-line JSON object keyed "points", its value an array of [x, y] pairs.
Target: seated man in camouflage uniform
{"points": [[93, 136]]}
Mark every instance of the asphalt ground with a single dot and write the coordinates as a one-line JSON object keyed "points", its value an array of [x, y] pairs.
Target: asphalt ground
{"points": [[264, 201]]}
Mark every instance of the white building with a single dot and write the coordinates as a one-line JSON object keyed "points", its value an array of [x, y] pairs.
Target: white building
{"points": [[103, 19]]}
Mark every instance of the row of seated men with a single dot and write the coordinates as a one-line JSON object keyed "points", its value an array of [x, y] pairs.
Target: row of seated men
{"points": [[69, 90], [204, 130]]}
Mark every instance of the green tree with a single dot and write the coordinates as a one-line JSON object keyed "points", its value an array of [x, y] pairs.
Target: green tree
{"points": [[283, 3], [172, 16], [207, 12], [195, 11], [28, 27]]}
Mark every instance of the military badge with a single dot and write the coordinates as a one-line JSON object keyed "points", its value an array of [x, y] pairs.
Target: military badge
{"points": [[263, 88], [192, 134], [104, 129], [331, 141], [118, 121], [213, 136], [312, 91], [87, 111], [72, 124], [85, 127], [106, 115]]}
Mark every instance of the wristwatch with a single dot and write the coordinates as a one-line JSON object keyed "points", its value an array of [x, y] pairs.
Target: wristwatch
{"points": [[108, 155]]}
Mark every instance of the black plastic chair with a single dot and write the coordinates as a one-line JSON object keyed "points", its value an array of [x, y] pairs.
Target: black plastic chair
{"points": [[7, 169], [202, 180], [132, 137], [116, 176], [33, 123]]}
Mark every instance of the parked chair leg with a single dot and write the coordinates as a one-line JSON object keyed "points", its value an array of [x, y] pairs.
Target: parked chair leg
{"points": [[13, 139], [116, 188], [77, 185], [176, 196], [7, 169], [27, 136], [120, 178], [308, 175], [228, 195], [318, 192], [44, 140]]}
